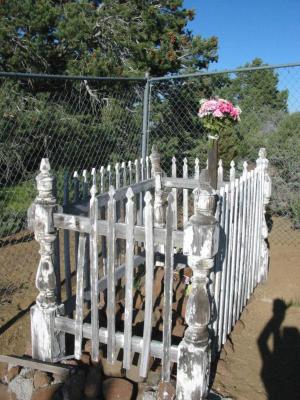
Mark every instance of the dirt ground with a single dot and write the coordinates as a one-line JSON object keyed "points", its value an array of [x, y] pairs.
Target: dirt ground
{"points": [[261, 361]]}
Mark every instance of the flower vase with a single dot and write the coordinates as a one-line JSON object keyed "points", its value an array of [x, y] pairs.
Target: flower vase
{"points": [[212, 160]]}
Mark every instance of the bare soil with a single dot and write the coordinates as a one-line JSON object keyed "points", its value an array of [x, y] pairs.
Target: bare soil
{"points": [[258, 362]]}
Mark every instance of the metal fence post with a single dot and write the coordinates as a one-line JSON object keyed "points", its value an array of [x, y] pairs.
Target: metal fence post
{"points": [[145, 118], [47, 344], [201, 236]]}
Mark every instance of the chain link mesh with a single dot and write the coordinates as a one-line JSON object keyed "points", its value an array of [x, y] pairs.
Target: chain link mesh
{"points": [[82, 124], [270, 103], [77, 124]]}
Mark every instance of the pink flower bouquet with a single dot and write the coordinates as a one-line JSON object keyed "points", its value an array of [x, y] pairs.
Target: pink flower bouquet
{"points": [[216, 114]]}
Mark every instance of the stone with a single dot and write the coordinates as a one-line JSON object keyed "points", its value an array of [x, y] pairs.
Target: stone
{"points": [[12, 372], [74, 386], [27, 373], [153, 377], [21, 387], [134, 372], [46, 393], [92, 388], [166, 391], [178, 329], [111, 370], [139, 301], [88, 346], [138, 318], [4, 394], [85, 358], [117, 389], [60, 378], [40, 379]]}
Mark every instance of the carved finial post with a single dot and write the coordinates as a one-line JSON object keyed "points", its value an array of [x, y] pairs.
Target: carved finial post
{"points": [[220, 173], [47, 344], [158, 206], [262, 163], [232, 171], [201, 235]]}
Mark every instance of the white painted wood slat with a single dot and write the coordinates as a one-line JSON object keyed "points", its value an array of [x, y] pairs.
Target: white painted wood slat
{"points": [[149, 249], [168, 291]]}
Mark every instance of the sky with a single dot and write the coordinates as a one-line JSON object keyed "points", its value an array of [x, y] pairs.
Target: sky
{"points": [[268, 29]]}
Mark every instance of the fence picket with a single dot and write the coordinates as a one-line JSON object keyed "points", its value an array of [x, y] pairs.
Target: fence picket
{"points": [[228, 260], [67, 242], [174, 191], [94, 271], [149, 248], [221, 323], [185, 193], [85, 194], [111, 254], [75, 200], [79, 296], [168, 291], [129, 260], [220, 174]]}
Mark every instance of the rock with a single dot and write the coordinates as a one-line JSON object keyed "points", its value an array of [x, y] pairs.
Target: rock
{"points": [[133, 374], [85, 358], [74, 386], [228, 347], [45, 393], [112, 370], [27, 373], [154, 377], [88, 346], [12, 372], [166, 391], [142, 389], [71, 361], [21, 387], [178, 329], [138, 318], [139, 301], [4, 394], [116, 388], [92, 387], [40, 379], [60, 378], [3, 372]]}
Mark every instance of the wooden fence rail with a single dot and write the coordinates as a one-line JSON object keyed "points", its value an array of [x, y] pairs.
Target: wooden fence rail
{"points": [[121, 220]]}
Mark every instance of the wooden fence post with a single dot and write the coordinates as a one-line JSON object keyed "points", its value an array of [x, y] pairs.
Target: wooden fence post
{"points": [[201, 235], [263, 162], [47, 344]]}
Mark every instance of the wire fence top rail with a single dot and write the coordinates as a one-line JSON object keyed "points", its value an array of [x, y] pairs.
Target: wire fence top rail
{"points": [[145, 78]]}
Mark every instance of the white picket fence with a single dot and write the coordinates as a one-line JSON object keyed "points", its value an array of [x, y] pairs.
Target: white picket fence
{"points": [[122, 227]]}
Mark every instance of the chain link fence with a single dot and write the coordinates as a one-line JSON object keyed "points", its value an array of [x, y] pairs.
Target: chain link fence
{"points": [[270, 102], [82, 122]]}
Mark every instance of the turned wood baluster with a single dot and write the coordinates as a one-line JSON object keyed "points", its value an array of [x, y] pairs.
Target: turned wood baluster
{"points": [[201, 235], [47, 344]]}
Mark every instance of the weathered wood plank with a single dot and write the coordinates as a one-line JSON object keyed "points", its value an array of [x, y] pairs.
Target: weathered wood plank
{"points": [[75, 200], [94, 272], [82, 224], [149, 249], [111, 254], [174, 191], [79, 296], [185, 203], [67, 325], [67, 242], [35, 364], [168, 291], [180, 183], [129, 279]]}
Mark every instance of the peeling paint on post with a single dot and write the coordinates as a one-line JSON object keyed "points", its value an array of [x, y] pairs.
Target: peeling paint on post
{"points": [[201, 234], [47, 344], [263, 164]]}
